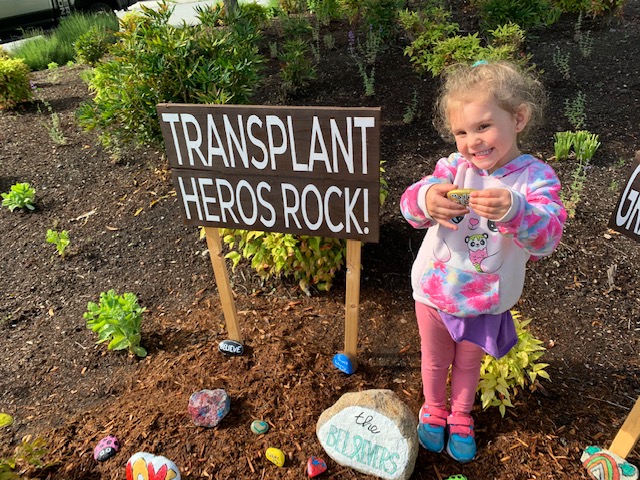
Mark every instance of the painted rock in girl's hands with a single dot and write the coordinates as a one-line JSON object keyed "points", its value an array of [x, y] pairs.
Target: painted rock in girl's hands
{"points": [[259, 427], [460, 196], [106, 448], [146, 466], [275, 456], [208, 407], [315, 466]]}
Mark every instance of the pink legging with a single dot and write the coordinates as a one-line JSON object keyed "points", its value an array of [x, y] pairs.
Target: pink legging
{"points": [[439, 352]]}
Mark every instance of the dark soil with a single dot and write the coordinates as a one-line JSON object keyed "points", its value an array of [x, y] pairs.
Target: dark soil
{"points": [[126, 234]]}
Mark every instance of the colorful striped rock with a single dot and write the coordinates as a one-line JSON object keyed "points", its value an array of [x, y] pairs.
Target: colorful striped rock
{"points": [[146, 466], [605, 465], [208, 407]]}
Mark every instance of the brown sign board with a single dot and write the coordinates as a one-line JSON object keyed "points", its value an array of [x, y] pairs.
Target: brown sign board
{"points": [[626, 216], [300, 170]]}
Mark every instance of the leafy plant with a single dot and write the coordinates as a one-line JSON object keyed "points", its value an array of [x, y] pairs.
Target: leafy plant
{"points": [[93, 45], [575, 111], [411, 111], [117, 319], [382, 16], [324, 10], [585, 144], [433, 53], [154, 62], [563, 141], [311, 261], [572, 196], [29, 455], [53, 128], [561, 62], [296, 70], [501, 380], [59, 239], [14, 83], [21, 195], [365, 57], [526, 13]]}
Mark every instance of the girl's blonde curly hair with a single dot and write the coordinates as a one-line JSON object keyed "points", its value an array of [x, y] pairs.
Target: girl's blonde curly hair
{"points": [[507, 84]]}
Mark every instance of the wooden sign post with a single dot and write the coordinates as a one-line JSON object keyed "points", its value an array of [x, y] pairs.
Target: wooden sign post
{"points": [[298, 170]]}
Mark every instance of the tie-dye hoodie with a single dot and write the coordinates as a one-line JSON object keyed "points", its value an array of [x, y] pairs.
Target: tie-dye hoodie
{"points": [[480, 267]]}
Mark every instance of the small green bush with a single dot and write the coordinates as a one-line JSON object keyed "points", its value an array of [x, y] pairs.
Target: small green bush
{"points": [[382, 16], [41, 49], [311, 261], [502, 379], [117, 319], [526, 13], [432, 51], [592, 8], [14, 83], [155, 62], [297, 68], [93, 45], [21, 195]]}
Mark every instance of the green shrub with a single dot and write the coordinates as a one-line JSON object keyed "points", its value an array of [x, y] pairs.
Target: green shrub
{"points": [[15, 87], [117, 319], [382, 16], [297, 69], [294, 27], [526, 13], [59, 239], [21, 195], [430, 24], [502, 379], [311, 261], [431, 52], [592, 8], [154, 62], [92, 45], [325, 10], [41, 49]]}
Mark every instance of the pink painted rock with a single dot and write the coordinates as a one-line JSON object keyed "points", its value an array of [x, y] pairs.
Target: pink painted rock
{"points": [[106, 448], [146, 466], [315, 466], [208, 407]]}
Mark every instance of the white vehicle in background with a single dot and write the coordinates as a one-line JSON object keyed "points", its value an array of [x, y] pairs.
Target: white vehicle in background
{"points": [[17, 16]]}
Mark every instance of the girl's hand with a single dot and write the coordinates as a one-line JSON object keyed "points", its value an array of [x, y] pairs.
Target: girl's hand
{"points": [[440, 208], [492, 203]]}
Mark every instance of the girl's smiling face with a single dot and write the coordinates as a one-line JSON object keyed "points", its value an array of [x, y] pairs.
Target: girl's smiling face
{"points": [[486, 134]]}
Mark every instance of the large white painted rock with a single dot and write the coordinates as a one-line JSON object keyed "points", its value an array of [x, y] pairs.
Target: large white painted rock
{"points": [[373, 432]]}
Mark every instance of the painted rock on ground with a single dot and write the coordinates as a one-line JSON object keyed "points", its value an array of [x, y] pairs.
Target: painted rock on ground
{"points": [[106, 448], [146, 466], [231, 347], [208, 407], [259, 427], [371, 431], [275, 455], [315, 466], [5, 420]]}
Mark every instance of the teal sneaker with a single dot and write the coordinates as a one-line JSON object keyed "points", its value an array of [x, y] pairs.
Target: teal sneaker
{"points": [[431, 427], [461, 445]]}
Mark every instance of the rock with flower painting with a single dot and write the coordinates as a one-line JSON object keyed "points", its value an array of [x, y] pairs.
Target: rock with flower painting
{"points": [[146, 466]]}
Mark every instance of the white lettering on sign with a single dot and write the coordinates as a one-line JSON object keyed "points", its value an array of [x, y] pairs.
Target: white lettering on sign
{"points": [[629, 206], [232, 151]]}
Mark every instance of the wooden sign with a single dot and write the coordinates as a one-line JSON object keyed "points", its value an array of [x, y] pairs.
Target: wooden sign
{"points": [[626, 217], [299, 170]]}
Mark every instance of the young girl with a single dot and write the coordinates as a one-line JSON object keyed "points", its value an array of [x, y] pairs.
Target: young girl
{"points": [[470, 268]]}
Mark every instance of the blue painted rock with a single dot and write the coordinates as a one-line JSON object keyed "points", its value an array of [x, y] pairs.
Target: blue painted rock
{"points": [[315, 466], [106, 448], [231, 347], [275, 456], [605, 465], [208, 407], [343, 363], [259, 427], [146, 466]]}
